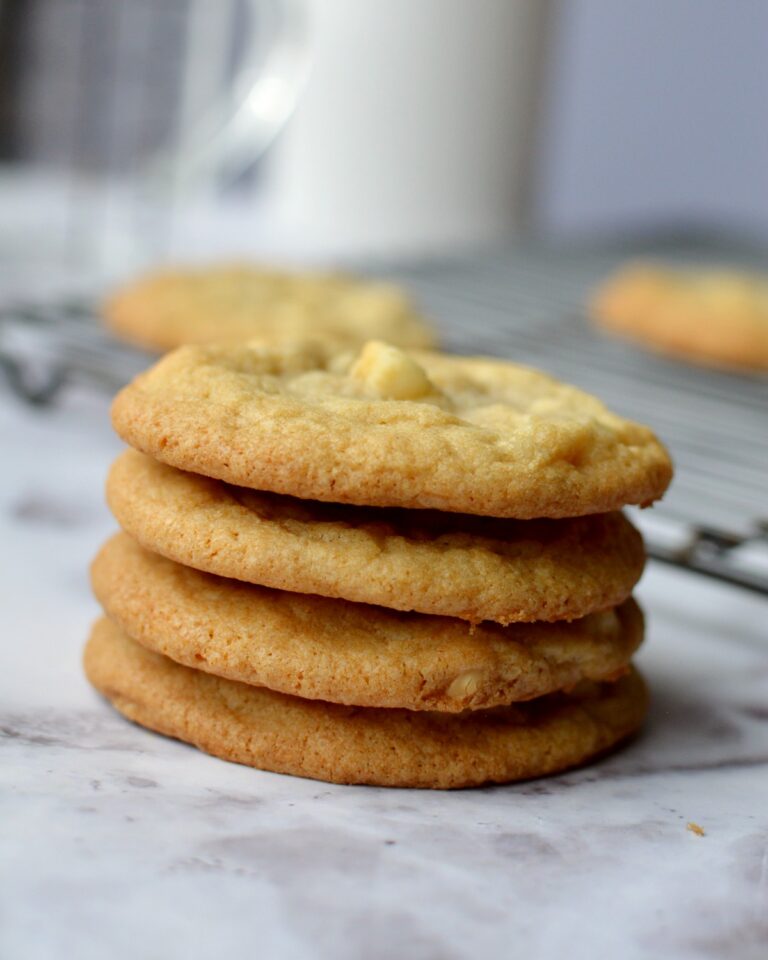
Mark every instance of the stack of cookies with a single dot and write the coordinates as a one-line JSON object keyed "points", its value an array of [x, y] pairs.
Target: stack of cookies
{"points": [[380, 567]]}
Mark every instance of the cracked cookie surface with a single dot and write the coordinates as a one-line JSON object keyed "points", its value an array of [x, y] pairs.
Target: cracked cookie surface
{"points": [[394, 429]]}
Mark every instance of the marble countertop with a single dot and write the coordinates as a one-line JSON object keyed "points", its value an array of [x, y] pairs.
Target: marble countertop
{"points": [[118, 843]]}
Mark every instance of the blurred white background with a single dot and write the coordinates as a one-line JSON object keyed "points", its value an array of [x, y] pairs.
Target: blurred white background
{"points": [[325, 129]]}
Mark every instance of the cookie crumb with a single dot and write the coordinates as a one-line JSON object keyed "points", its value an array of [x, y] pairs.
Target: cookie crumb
{"points": [[695, 828]]}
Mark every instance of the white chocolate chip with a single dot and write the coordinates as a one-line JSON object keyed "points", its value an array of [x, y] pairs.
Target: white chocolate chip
{"points": [[389, 373], [465, 685]]}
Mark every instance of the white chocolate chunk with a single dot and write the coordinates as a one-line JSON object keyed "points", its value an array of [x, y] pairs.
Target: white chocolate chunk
{"points": [[465, 685], [391, 374]]}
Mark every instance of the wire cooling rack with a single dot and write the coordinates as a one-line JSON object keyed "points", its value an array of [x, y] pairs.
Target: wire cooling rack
{"points": [[525, 304]]}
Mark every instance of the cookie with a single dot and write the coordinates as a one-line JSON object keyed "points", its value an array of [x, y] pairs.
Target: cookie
{"points": [[351, 653], [456, 565], [323, 741], [714, 317], [391, 429], [235, 303]]}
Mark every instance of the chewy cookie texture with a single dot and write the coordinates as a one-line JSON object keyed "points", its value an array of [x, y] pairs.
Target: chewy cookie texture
{"points": [[474, 568], [351, 653], [167, 309], [393, 748], [374, 566]]}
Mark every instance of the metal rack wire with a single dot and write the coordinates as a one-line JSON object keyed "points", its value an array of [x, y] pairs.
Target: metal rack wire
{"points": [[525, 304]]}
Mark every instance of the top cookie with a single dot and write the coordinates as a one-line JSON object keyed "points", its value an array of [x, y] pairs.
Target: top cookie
{"points": [[385, 428], [167, 309], [714, 317]]}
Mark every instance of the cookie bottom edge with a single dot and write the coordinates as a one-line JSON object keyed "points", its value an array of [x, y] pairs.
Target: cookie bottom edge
{"points": [[358, 745]]}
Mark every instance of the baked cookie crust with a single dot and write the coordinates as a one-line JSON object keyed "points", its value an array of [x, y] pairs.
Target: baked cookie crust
{"points": [[392, 429], [351, 653], [454, 565], [395, 748]]}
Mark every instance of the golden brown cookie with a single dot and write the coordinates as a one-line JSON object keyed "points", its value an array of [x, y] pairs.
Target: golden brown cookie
{"points": [[350, 652], [715, 317], [234, 303], [455, 565], [396, 748], [386, 428]]}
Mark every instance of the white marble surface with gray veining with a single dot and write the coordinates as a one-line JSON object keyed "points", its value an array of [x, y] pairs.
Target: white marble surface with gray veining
{"points": [[116, 843]]}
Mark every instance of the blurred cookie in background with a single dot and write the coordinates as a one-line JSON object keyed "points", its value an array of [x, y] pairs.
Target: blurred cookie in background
{"points": [[713, 317], [166, 309]]}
